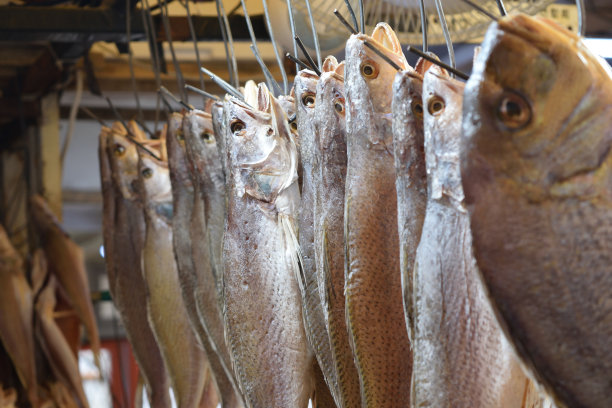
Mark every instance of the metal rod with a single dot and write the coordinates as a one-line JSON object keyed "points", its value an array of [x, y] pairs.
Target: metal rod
{"points": [[292, 23], [502, 8], [162, 97], [165, 91], [128, 36], [177, 68], [147, 22], [362, 16], [226, 87], [381, 55], [194, 39], [307, 55], [145, 128], [423, 24], [315, 37], [437, 62], [279, 59], [201, 92], [229, 56], [580, 7], [296, 61], [352, 14], [344, 22], [272, 84], [93, 116], [480, 9], [449, 43]]}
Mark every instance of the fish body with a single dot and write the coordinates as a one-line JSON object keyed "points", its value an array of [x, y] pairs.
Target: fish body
{"points": [[328, 224], [305, 89], [124, 229], [535, 168], [373, 292], [68, 262], [461, 358], [206, 234], [262, 301], [184, 359], [16, 315], [62, 360], [411, 179]]}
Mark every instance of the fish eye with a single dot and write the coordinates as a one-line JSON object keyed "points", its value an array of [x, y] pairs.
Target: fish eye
{"points": [[369, 70], [514, 111], [417, 109], [293, 125], [308, 100], [207, 137], [180, 136], [237, 126], [435, 106], [147, 173], [339, 106], [119, 150]]}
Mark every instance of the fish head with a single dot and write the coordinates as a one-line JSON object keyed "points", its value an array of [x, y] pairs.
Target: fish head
{"points": [[407, 93], [177, 154], [369, 80], [331, 106], [442, 104], [154, 178], [262, 156], [123, 157], [537, 106], [200, 139], [305, 92]]}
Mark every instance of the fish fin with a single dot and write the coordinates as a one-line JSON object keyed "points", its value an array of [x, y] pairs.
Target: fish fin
{"points": [[295, 253], [326, 269]]}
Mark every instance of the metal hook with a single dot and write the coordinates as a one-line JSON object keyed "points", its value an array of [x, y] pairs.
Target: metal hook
{"points": [[272, 84], [307, 55], [296, 61], [128, 36], [226, 87], [201, 92], [480, 10], [382, 55], [147, 22], [292, 23], [581, 17], [423, 24], [315, 37], [275, 47], [449, 43], [165, 91], [228, 42], [352, 14], [362, 16], [195, 43], [93, 116], [344, 22], [502, 8], [177, 69], [437, 62]]}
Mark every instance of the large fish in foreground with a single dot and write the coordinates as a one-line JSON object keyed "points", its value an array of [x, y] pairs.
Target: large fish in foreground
{"points": [[328, 219], [305, 89], [411, 180], [206, 233], [536, 170], [263, 307], [461, 356], [375, 314], [124, 228], [16, 317], [184, 359]]}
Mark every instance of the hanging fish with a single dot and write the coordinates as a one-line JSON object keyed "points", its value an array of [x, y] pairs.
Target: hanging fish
{"points": [[262, 302], [16, 313], [461, 357], [63, 362], [411, 180], [328, 220], [373, 292], [305, 89], [68, 263], [535, 168], [185, 361], [124, 228], [206, 234]]}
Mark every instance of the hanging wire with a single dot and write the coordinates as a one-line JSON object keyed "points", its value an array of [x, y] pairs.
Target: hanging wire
{"points": [[449, 43], [345, 23], [423, 24], [223, 84], [362, 16], [352, 14], [128, 37], [74, 109], [315, 37], [292, 23], [307, 55], [149, 28], [195, 46], [279, 60], [177, 68], [501, 7], [228, 42], [437, 62], [382, 55], [201, 92], [480, 9], [296, 61], [580, 7]]}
